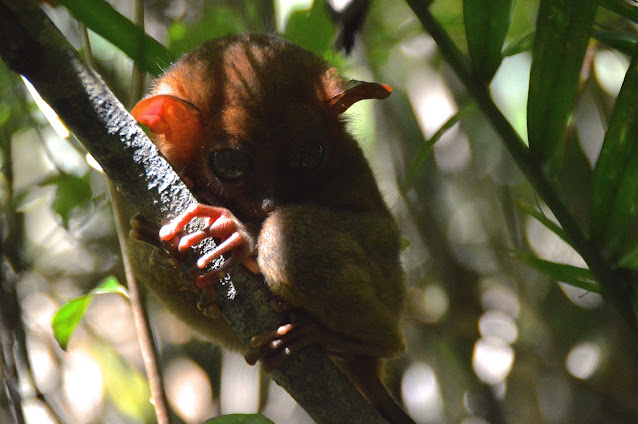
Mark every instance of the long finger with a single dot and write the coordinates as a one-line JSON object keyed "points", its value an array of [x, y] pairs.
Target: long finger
{"points": [[196, 210], [236, 240]]}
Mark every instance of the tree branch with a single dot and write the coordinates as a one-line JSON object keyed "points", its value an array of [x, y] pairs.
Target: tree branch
{"points": [[33, 47]]}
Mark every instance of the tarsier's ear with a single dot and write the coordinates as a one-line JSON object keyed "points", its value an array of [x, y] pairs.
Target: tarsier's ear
{"points": [[179, 121], [357, 90]]}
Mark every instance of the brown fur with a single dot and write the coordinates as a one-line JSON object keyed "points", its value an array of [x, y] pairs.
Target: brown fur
{"points": [[326, 242]]}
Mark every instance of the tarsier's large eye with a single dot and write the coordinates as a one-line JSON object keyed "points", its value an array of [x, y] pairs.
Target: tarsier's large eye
{"points": [[231, 165], [306, 156]]}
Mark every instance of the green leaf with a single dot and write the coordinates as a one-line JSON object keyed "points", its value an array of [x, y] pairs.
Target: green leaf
{"points": [[620, 41], [562, 34], [110, 285], [312, 29], [524, 44], [216, 21], [615, 187], [426, 148], [573, 275], [623, 8], [543, 219], [573, 177], [100, 17], [71, 193], [5, 114], [630, 259], [240, 419], [486, 24], [67, 318]]}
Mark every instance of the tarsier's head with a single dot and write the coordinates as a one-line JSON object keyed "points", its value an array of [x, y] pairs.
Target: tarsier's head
{"points": [[251, 122]]}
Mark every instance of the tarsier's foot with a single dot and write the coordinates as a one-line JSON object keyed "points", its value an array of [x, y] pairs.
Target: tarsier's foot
{"points": [[165, 253], [272, 348]]}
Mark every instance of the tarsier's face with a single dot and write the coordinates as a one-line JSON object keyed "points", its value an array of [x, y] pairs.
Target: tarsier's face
{"points": [[252, 122], [268, 162], [266, 129]]}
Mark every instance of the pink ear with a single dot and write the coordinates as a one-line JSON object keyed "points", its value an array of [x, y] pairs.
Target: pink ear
{"points": [[178, 120], [355, 91]]}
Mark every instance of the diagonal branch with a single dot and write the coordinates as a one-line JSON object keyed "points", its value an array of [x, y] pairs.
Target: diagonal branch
{"points": [[33, 47]]}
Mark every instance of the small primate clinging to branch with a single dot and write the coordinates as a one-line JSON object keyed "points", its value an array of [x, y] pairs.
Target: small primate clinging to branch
{"points": [[253, 125]]}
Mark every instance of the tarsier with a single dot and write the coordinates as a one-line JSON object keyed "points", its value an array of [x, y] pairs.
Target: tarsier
{"points": [[253, 126]]}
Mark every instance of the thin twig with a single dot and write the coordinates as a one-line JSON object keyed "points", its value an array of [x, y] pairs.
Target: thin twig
{"points": [[138, 74], [86, 42], [140, 315], [8, 366]]}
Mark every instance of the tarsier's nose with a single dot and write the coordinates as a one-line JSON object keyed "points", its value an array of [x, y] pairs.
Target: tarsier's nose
{"points": [[267, 206]]}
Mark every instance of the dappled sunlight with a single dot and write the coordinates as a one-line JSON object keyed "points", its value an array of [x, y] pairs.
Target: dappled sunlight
{"points": [[498, 296], [38, 306], [433, 106], [582, 360], [421, 393], [498, 325], [115, 310], [509, 90], [610, 68], [465, 226], [36, 413], [53, 119], [82, 387], [240, 385], [435, 303], [45, 367], [492, 360], [581, 297], [189, 391]]}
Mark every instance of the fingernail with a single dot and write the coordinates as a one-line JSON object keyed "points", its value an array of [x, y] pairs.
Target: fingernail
{"points": [[284, 329], [165, 231]]}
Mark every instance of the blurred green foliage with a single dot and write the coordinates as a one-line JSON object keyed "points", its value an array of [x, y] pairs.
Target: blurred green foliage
{"points": [[505, 152]]}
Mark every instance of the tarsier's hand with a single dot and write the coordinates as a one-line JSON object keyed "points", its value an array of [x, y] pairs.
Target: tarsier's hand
{"points": [[220, 224]]}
